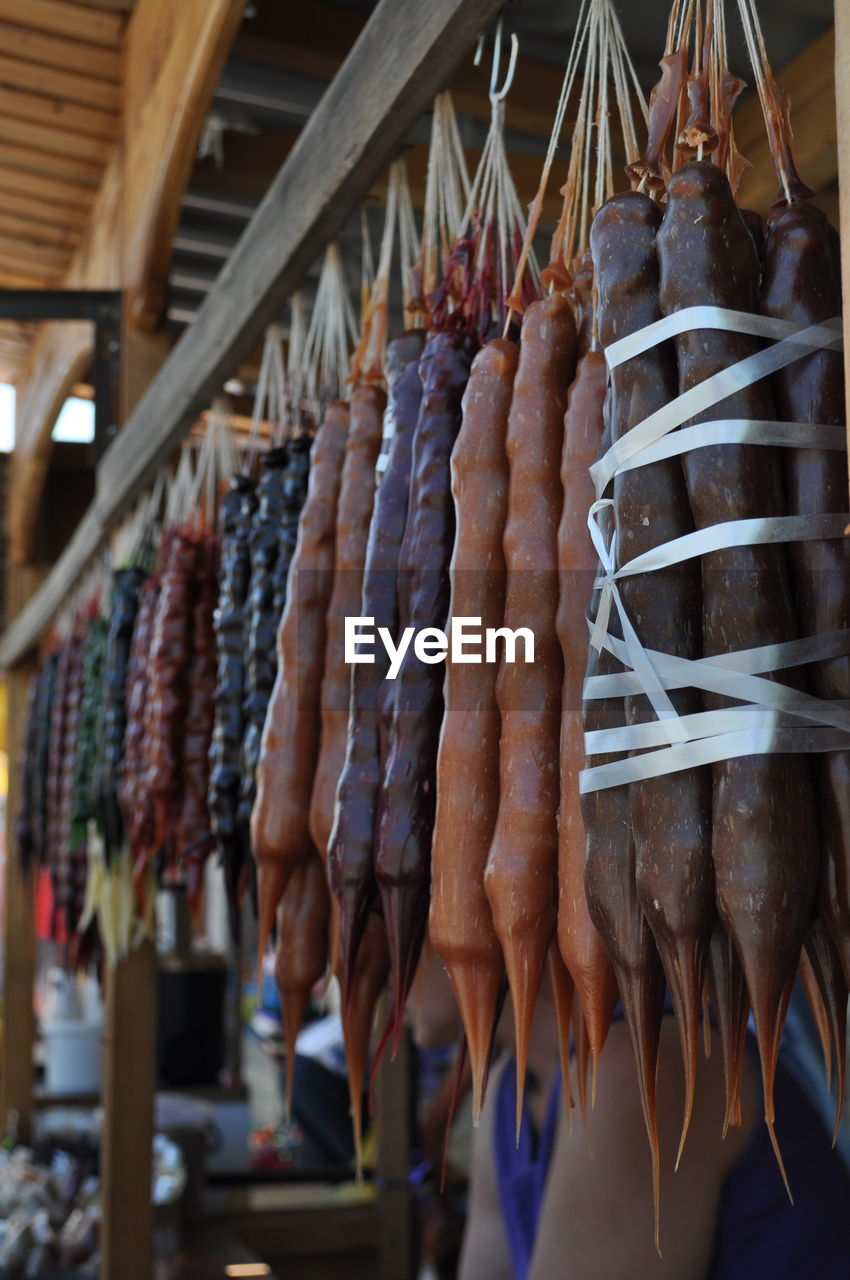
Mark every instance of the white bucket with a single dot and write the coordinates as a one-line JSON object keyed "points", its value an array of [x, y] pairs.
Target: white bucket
{"points": [[73, 1055]]}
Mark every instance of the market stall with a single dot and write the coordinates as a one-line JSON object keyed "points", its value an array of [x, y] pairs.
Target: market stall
{"points": [[495, 800]]}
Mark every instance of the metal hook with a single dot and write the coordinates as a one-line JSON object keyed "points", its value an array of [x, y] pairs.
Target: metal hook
{"points": [[498, 95]]}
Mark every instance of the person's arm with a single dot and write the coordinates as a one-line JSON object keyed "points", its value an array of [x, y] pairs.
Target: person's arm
{"points": [[597, 1216], [485, 1254]]}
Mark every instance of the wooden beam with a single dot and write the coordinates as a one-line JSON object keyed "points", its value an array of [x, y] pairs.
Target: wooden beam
{"points": [[404, 55], [808, 79], [842, 95], [78, 21], [129, 1085], [70, 116], [315, 38], [168, 96], [87, 90], [251, 163], [58, 51]]}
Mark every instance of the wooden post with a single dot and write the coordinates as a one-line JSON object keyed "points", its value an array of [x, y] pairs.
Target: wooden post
{"points": [[16, 1091], [129, 1085], [394, 1107], [842, 112], [18, 941]]}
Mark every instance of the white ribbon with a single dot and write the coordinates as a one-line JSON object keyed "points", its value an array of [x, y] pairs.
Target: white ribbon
{"points": [[769, 722], [726, 382]]}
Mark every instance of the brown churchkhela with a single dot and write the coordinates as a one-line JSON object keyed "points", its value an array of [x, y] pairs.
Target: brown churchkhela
{"points": [[371, 968], [461, 923], [670, 817], [801, 284], [133, 797], [403, 859], [165, 705], [521, 872], [354, 511], [764, 845], [301, 955], [352, 843], [280, 834], [194, 838], [611, 886], [582, 948]]}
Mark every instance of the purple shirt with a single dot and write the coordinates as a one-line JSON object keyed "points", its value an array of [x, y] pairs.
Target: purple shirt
{"points": [[759, 1232]]}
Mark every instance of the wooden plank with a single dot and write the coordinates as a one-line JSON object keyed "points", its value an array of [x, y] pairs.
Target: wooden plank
{"points": [[56, 195], [82, 172], [58, 139], [41, 222], [70, 116], [842, 104], [406, 51], [47, 258], [44, 217], [168, 97], [62, 84], [58, 51], [114, 6], [19, 280], [394, 1111], [808, 79], [78, 21], [34, 232], [129, 1084], [18, 932]]}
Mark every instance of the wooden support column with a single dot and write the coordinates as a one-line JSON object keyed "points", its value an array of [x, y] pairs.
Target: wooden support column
{"points": [[842, 112], [394, 1109], [129, 1085], [18, 903]]}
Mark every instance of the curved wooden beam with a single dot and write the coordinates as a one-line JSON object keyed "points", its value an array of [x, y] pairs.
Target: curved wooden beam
{"points": [[174, 56]]}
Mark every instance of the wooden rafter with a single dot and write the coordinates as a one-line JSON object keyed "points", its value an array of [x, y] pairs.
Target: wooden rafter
{"points": [[76, 21]]}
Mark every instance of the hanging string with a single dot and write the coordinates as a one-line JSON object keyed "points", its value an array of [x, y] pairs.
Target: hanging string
{"points": [[446, 193], [323, 369]]}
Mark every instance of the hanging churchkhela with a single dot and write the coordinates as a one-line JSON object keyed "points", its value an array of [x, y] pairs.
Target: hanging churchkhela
{"points": [[281, 491], [713, 736], [289, 750], [414, 705], [236, 515], [461, 923]]}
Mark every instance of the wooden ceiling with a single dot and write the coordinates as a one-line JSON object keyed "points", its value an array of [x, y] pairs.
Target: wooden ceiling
{"points": [[60, 96]]}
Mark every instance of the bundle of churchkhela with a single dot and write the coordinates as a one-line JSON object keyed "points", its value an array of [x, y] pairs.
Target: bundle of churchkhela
{"points": [[713, 796], [281, 490], [504, 722], [56, 784], [286, 763], [355, 834], [327, 574]]}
